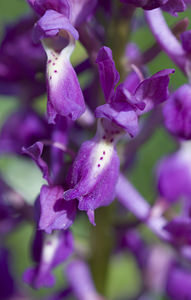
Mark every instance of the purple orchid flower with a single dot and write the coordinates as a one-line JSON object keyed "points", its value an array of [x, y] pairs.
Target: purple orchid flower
{"points": [[19, 66], [55, 29], [94, 172], [55, 212], [176, 112], [48, 251], [21, 129], [131, 98], [178, 283], [174, 174], [171, 6], [65, 97]]}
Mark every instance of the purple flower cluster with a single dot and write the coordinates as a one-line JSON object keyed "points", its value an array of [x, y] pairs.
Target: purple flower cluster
{"points": [[82, 141]]}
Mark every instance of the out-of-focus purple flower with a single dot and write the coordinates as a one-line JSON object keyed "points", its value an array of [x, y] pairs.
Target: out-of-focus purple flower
{"points": [[48, 252], [171, 6], [131, 98], [174, 174], [79, 277], [21, 129], [177, 112], [94, 172], [65, 97], [178, 283], [133, 242], [186, 41], [180, 229], [20, 65], [56, 213], [133, 54], [7, 282], [159, 262], [12, 206], [41, 6]]}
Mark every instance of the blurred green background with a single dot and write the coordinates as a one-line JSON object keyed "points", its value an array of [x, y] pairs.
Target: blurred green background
{"points": [[123, 274]]}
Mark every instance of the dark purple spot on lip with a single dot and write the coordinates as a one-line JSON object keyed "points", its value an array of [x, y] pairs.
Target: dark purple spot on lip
{"points": [[98, 165], [111, 140], [49, 61], [56, 58], [101, 158], [50, 77], [49, 243], [103, 152], [53, 64], [55, 71], [104, 137]]}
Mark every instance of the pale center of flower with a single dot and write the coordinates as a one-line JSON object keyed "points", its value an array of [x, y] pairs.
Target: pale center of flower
{"points": [[101, 157], [49, 247], [58, 51]]}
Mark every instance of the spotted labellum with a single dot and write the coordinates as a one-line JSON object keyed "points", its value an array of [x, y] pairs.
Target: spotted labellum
{"points": [[94, 173]]}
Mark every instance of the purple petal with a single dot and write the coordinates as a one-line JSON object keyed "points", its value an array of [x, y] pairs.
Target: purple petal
{"points": [[76, 11], [50, 25], [154, 90], [121, 114], [109, 76], [37, 281], [80, 10], [35, 152], [180, 228], [124, 95], [56, 213], [174, 6], [131, 82]]}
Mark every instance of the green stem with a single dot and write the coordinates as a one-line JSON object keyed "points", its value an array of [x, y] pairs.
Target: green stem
{"points": [[102, 240]]}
